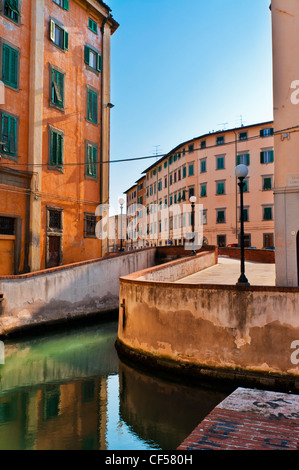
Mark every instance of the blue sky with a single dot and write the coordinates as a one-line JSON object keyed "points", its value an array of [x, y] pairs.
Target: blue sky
{"points": [[182, 68]]}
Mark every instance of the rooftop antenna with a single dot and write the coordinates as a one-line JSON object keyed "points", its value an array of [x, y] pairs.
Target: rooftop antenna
{"points": [[224, 124], [241, 120], [157, 151]]}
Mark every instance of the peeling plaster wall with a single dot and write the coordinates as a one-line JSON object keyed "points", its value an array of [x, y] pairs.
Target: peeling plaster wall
{"points": [[63, 293], [228, 327]]}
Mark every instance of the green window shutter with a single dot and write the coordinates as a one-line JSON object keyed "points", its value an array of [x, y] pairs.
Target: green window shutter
{"points": [[9, 134], [65, 40], [99, 63], [66, 5], [57, 88], [261, 133], [262, 157], [56, 151], [92, 106], [238, 159], [60, 149], [271, 156], [184, 172], [271, 131], [247, 159], [86, 55], [10, 66]]}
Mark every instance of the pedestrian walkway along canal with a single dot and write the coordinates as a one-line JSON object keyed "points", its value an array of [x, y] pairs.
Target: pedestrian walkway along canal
{"points": [[69, 390]]}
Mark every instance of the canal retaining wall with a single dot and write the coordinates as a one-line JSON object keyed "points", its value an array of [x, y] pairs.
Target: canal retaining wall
{"points": [[216, 331], [67, 292]]}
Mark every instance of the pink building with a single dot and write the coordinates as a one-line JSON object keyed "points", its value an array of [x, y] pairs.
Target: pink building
{"points": [[204, 167]]}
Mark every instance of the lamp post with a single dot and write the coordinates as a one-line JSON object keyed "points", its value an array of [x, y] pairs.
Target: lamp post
{"points": [[241, 171], [121, 202], [193, 201]]}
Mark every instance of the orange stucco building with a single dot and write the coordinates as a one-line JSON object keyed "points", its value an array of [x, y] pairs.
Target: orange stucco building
{"points": [[55, 121]]}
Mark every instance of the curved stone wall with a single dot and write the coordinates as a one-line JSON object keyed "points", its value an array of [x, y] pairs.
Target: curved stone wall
{"points": [[218, 330]]}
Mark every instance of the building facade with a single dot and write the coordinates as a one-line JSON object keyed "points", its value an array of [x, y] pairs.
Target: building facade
{"points": [[55, 121], [285, 26], [204, 167]]}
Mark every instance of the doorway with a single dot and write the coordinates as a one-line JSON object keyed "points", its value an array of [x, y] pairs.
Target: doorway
{"points": [[54, 251]]}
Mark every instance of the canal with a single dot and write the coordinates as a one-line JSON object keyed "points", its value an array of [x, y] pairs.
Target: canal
{"points": [[68, 390]]}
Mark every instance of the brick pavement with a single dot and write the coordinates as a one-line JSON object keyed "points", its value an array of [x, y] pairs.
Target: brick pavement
{"points": [[249, 420]]}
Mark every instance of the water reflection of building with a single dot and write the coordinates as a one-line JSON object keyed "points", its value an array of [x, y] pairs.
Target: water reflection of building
{"points": [[152, 407], [56, 416], [53, 391]]}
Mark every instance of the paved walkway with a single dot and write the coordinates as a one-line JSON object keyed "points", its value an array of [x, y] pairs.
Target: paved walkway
{"points": [[227, 271], [249, 420]]}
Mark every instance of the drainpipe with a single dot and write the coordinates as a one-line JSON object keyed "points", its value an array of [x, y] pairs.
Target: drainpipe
{"points": [[102, 118]]}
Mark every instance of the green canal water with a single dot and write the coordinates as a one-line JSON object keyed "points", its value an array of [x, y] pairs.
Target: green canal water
{"points": [[68, 390]]}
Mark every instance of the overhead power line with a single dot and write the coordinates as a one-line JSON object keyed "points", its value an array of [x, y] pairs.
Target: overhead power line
{"points": [[148, 157]]}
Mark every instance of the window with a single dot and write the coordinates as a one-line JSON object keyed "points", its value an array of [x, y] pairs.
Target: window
{"points": [[203, 166], [92, 59], [221, 241], [165, 182], [267, 156], [245, 214], [89, 225], [191, 192], [9, 130], [92, 25], [267, 213], [170, 201], [170, 160], [11, 10], [170, 179], [57, 88], [174, 177], [268, 240], [243, 136], [175, 158], [179, 175], [220, 216], [160, 168], [220, 140], [55, 219], [63, 4], [184, 172], [246, 186], [91, 160], [160, 186], [203, 144], [243, 159], [7, 226], [267, 183], [203, 190], [220, 163], [59, 36], [220, 187], [204, 218], [165, 164], [191, 148], [92, 106], [56, 148], [267, 132], [10, 66], [191, 169]]}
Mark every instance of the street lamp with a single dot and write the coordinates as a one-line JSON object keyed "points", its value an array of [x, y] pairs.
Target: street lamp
{"points": [[121, 202], [193, 201], [241, 171]]}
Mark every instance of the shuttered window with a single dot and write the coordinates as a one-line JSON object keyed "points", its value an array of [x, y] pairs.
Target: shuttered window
{"points": [[63, 4], [92, 106], [57, 90], [91, 160], [10, 59], [56, 149], [8, 135], [11, 10], [243, 159], [92, 25], [59, 36], [93, 59], [267, 156]]}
